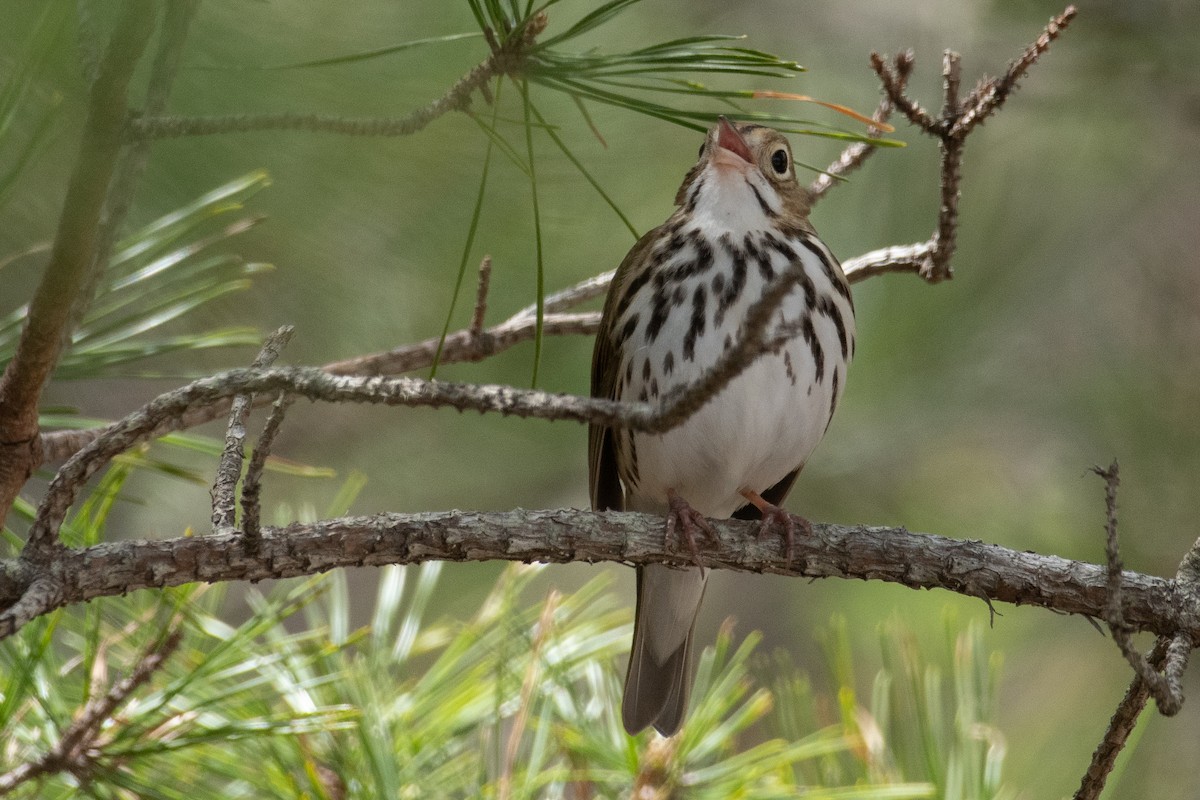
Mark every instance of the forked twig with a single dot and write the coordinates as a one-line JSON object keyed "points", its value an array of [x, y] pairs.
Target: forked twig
{"points": [[1158, 674], [229, 466], [958, 118], [1165, 687]]}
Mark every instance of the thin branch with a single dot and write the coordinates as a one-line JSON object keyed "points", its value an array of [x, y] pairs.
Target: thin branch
{"points": [[506, 59], [75, 750], [481, 293], [991, 94], [1166, 689], [252, 483], [71, 256], [164, 413], [1123, 721], [1163, 665], [856, 154], [233, 456], [958, 118], [920, 561], [463, 346], [945, 239], [893, 87], [913, 258]]}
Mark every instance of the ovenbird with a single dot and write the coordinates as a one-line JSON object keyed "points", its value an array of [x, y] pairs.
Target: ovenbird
{"points": [[675, 305]]}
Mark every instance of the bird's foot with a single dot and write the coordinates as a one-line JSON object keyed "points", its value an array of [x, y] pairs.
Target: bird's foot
{"points": [[688, 520], [775, 517]]}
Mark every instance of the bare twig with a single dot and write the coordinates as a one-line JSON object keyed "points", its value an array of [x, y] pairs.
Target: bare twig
{"points": [[991, 93], [485, 276], [920, 561], [912, 258], [1160, 672], [1123, 721], [855, 154], [229, 466], [252, 483], [957, 120], [1165, 688], [505, 59], [893, 87], [75, 751]]}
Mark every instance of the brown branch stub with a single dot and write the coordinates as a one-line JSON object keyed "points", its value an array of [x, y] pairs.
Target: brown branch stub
{"points": [[481, 294], [76, 750], [233, 456]]}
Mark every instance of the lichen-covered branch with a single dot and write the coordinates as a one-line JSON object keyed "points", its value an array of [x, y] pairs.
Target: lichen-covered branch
{"points": [[919, 561]]}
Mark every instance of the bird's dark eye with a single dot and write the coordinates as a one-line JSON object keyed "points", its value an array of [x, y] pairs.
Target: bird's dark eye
{"points": [[779, 161]]}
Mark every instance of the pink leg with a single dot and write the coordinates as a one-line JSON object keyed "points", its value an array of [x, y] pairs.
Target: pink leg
{"points": [[774, 515], [689, 520]]}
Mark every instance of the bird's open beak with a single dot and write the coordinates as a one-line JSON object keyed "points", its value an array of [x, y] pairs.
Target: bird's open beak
{"points": [[731, 145]]}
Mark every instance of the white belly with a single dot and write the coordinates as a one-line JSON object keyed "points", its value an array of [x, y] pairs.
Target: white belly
{"points": [[763, 425]]}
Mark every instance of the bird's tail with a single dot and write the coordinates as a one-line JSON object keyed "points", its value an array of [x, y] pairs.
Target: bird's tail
{"points": [[661, 666]]}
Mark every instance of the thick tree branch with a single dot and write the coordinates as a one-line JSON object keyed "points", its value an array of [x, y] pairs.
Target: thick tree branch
{"points": [[72, 255], [919, 561]]}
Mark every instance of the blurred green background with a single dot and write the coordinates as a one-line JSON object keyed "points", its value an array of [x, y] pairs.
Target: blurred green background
{"points": [[1070, 334]]}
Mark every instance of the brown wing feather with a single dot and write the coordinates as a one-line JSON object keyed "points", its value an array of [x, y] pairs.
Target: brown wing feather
{"points": [[603, 475]]}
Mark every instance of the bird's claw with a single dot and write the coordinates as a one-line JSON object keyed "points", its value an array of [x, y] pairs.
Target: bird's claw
{"points": [[688, 520], [776, 517]]}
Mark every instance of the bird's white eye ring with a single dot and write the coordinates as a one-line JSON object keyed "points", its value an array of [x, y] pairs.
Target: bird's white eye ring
{"points": [[779, 161]]}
